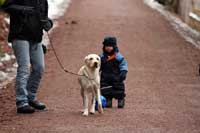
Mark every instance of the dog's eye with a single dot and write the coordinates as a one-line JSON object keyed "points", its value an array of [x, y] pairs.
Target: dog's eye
{"points": [[91, 59], [98, 59]]}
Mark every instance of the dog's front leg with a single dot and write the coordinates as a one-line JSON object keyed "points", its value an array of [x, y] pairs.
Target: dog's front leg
{"points": [[85, 104], [100, 109], [92, 107]]}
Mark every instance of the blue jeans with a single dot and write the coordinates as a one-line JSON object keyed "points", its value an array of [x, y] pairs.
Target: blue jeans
{"points": [[30, 60]]}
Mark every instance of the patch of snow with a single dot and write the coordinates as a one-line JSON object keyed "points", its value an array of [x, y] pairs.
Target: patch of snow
{"points": [[7, 20], [3, 76], [57, 8], [15, 65], [10, 45], [6, 57], [10, 70], [1, 64], [189, 34], [12, 57], [154, 4], [194, 16]]}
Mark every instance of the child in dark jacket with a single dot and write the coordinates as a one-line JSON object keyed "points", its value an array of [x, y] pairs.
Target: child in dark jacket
{"points": [[113, 73]]}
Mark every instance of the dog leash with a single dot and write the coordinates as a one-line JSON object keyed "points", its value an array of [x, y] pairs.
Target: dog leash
{"points": [[60, 63]]}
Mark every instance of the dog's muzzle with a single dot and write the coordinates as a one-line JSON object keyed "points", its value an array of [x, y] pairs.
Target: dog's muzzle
{"points": [[96, 64]]}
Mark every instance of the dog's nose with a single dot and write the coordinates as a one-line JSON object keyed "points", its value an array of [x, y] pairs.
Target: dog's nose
{"points": [[96, 64]]}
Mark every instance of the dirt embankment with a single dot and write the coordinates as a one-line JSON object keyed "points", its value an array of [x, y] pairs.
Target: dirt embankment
{"points": [[3, 34]]}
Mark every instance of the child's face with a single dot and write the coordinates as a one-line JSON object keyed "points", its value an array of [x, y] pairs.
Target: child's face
{"points": [[109, 49]]}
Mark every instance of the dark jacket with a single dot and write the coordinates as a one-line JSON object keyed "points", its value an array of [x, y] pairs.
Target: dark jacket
{"points": [[111, 68], [25, 24]]}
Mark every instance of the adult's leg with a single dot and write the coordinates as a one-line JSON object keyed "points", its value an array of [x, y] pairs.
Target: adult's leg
{"points": [[21, 51], [37, 68]]}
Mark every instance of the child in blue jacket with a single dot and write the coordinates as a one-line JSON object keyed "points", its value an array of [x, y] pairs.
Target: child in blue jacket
{"points": [[113, 73]]}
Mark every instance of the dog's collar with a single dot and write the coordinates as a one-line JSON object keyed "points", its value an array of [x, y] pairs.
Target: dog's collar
{"points": [[87, 76]]}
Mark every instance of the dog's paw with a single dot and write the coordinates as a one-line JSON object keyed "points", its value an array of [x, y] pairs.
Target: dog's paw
{"points": [[92, 111], [100, 109], [85, 114]]}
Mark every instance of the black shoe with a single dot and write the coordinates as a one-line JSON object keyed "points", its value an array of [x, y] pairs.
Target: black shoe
{"points": [[109, 103], [26, 110], [37, 105], [121, 103]]}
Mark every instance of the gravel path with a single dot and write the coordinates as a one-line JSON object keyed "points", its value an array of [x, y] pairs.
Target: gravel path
{"points": [[163, 87]]}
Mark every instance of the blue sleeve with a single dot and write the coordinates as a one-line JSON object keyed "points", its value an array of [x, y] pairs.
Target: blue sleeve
{"points": [[100, 55], [123, 64]]}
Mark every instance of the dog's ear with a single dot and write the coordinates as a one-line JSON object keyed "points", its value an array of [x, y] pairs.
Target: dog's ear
{"points": [[86, 59], [99, 61]]}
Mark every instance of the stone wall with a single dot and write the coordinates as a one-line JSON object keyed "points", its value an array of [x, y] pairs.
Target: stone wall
{"points": [[189, 10]]}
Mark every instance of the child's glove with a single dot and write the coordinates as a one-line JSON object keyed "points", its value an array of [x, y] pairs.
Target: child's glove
{"points": [[123, 75]]}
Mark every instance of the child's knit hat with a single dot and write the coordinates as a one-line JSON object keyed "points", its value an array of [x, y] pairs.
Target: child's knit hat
{"points": [[110, 41]]}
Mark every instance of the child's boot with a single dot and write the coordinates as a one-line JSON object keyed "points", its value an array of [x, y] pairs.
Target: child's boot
{"points": [[121, 103], [109, 103]]}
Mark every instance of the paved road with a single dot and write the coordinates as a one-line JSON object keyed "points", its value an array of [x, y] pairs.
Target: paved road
{"points": [[163, 89]]}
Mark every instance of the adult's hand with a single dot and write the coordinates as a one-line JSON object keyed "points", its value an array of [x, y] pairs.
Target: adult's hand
{"points": [[47, 24]]}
